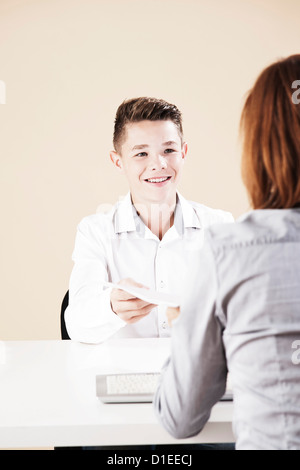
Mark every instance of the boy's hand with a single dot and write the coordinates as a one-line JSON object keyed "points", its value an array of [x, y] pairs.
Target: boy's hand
{"points": [[129, 308], [172, 313]]}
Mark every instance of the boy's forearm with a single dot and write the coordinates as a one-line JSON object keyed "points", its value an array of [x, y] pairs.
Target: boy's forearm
{"points": [[91, 320]]}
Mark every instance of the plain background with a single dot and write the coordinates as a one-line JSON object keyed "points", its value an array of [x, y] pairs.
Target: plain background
{"points": [[67, 65]]}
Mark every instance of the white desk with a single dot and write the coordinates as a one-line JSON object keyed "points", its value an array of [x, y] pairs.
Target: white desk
{"points": [[48, 396]]}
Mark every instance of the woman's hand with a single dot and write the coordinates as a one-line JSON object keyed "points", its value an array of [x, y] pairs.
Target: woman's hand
{"points": [[172, 313]]}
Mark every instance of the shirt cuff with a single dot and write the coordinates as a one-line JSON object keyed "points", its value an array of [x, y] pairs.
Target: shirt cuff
{"points": [[108, 313]]}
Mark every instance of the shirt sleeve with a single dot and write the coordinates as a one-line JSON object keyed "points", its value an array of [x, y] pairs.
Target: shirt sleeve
{"points": [[194, 377], [89, 317]]}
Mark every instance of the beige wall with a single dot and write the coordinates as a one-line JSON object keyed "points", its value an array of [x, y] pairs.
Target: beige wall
{"points": [[67, 65]]}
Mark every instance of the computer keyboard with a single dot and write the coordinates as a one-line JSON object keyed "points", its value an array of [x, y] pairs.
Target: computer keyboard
{"points": [[134, 387], [132, 383], [122, 388]]}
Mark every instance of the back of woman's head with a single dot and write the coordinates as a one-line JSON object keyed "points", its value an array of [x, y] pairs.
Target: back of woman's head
{"points": [[270, 126]]}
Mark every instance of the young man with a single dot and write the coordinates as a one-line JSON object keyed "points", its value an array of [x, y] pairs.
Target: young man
{"points": [[151, 238]]}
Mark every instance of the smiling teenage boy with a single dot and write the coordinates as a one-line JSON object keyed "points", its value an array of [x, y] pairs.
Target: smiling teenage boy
{"points": [[151, 238]]}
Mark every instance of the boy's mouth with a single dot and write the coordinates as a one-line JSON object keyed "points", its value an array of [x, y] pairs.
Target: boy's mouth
{"points": [[163, 179]]}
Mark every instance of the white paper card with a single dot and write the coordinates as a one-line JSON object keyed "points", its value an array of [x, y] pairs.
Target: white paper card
{"points": [[148, 295]]}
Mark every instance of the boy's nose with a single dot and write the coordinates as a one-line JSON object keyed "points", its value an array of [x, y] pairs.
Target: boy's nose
{"points": [[158, 162]]}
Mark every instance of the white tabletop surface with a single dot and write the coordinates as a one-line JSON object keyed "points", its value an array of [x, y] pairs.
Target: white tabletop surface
{"points": [[48, 396]]}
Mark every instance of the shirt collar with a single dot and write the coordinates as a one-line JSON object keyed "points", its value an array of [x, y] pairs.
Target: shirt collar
{"points": [[189, 215], [125, 215]]}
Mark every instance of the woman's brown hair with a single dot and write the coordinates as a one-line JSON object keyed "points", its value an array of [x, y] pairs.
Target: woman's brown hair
{"points": [[270, 126]]}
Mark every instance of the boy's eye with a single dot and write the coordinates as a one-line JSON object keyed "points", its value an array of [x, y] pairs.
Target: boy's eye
{"points": [[170, 150], [141, 154]]}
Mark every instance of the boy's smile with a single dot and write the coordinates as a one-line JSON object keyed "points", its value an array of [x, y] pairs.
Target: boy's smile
{"points": [[159, 181], [152, 158]]}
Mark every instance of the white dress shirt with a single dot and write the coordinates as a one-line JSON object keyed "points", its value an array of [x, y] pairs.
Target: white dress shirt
{"points": [[118, 245]]}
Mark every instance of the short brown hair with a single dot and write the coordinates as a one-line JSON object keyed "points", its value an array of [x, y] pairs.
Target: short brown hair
{"points": [[143, 109], [270, 126]]}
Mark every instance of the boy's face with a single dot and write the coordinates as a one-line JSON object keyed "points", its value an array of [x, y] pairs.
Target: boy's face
{"points": [[152, 158]]}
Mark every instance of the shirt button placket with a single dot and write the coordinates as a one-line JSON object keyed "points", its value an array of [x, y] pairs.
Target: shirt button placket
{"points": [[161, 286]]}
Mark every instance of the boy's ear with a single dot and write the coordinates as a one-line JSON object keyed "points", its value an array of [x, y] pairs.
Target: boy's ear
{"points": [[117, 160], [184, 150]]}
